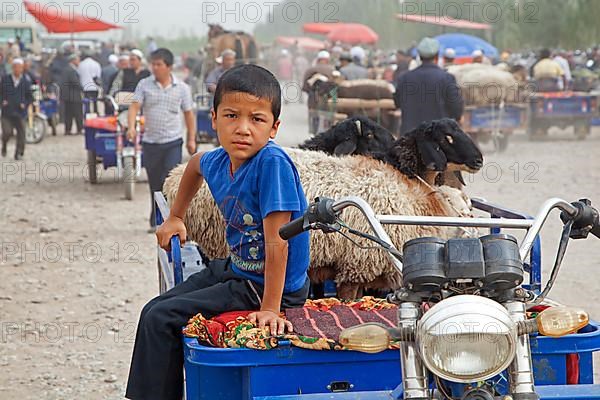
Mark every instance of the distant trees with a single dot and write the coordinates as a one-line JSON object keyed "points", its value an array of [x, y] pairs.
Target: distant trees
{"points": [[517, 23]]}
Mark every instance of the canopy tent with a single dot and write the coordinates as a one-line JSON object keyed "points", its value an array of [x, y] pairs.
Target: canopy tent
{"points": [[56, 20], [301, 42], [443, 21], [353, 34]]}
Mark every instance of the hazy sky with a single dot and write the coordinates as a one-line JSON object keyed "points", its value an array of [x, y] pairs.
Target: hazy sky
{"points": [[164, 17]]}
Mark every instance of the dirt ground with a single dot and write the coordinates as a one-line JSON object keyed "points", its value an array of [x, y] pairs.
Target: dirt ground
{"points": [[77, 263]]}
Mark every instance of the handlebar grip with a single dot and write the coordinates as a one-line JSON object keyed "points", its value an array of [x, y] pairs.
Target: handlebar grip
{"points": [[585, 221], [292, 228], [596, 230]]}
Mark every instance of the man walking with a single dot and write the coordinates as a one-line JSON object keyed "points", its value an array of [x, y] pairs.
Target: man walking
{"points": [[163, 97], [71, 96], [15, 96], [428, 92]]}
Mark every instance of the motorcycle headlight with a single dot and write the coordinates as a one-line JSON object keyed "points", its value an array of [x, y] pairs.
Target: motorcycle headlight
{"points": [[466, 338]]}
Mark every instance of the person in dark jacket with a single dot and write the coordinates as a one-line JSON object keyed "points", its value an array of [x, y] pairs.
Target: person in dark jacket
{"points": [[15, 97], [126, 80], [71, 95], [428, 92]]}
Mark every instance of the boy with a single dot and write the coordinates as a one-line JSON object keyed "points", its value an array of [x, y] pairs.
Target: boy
{"points": [[257, 188]]}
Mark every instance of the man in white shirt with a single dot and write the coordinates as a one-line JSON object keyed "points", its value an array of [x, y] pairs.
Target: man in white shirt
{"points": [[90, 73], [564, 64]]}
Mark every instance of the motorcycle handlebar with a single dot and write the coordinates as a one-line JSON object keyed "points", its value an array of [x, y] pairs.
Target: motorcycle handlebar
{"points": [[292, 228], [584, 215], [321, 211], [585, 220]]}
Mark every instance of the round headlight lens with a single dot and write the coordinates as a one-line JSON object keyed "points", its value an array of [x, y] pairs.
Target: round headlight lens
{"points": [[466, 338]]}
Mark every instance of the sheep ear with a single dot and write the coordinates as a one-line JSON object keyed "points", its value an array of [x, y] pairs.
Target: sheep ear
{"points": [[345, 148], [432, 157]]}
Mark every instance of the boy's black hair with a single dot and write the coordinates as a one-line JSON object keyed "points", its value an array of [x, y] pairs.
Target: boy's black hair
{"points": [[163, 54], [250, 79]]}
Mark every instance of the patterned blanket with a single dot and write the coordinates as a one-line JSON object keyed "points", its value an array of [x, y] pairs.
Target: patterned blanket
{"points": [[317, 325]]}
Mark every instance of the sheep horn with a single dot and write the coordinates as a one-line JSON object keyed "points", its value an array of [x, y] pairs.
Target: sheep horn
{"points": [[358, 126]]}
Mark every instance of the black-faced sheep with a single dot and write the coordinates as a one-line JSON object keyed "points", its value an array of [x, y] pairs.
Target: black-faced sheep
{"points": [[385, 188], [355, 135], [428, 151]]}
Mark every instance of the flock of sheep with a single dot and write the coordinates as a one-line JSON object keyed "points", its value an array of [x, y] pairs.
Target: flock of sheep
{"points": [[360, 158]]}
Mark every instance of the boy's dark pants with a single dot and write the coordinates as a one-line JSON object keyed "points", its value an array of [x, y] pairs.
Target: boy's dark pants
{"points": [[157, 364], [159, 160]]}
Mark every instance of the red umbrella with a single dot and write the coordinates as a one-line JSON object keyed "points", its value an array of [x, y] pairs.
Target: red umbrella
{"points": [[57, 20], [321, 28], [353, 34]]}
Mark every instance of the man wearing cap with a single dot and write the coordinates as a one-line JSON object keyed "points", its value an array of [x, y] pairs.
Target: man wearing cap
{"points": [[322, 66], [15, 97], [227, 61], [449, 57], [90, 73], [355, 70], [71, 95], [428, 92], [127, 79]]}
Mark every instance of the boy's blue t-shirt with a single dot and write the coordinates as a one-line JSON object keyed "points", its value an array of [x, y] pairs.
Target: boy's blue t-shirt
{"points": [[265, 183]]}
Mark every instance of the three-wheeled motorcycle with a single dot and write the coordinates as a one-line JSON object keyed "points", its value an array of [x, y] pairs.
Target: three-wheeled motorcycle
{"points": [[471, 326]]}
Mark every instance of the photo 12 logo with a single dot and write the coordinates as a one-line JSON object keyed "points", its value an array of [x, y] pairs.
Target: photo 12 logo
{"points": [[254, 12], [451, 12], [54, 13]]}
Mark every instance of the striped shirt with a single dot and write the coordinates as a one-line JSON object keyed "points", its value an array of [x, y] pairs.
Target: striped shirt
{"points": [[162, 108]]}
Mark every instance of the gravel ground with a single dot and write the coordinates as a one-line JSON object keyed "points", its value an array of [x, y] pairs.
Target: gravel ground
{"points": [[77, 264]]}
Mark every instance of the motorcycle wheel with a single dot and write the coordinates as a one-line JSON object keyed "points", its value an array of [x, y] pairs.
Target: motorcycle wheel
{"points": [[129, 176], [35, 133]]}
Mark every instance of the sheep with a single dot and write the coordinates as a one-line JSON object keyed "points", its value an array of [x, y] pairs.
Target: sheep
{"points": [[413, 154], [385, 188], [485, 84], [356, 135]]}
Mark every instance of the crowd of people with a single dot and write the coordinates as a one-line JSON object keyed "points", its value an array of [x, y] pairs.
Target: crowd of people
{"points": [[76, 78]]}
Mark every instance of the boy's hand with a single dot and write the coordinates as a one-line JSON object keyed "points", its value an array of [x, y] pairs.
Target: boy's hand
{"points": [[271, 319], [171, 227]]}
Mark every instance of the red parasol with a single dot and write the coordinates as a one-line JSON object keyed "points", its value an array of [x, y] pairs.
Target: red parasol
{"points": [[353, 34], [305, 43], [57, 20], [321, 28]]}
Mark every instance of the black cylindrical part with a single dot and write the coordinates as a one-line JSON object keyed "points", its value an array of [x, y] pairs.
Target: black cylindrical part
{"points": [[423, 265], [503, 264]]}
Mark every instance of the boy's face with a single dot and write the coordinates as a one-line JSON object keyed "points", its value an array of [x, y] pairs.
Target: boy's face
{"points": [[244, 124]]}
